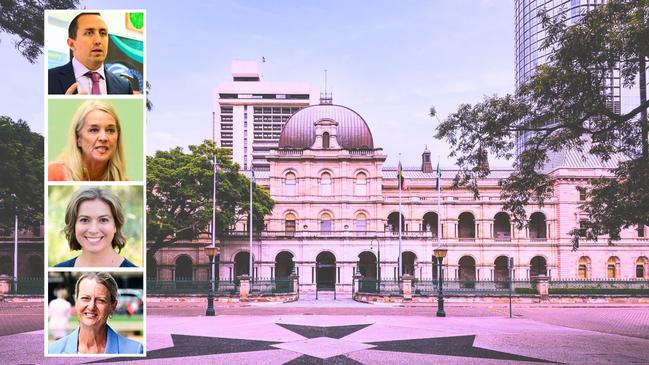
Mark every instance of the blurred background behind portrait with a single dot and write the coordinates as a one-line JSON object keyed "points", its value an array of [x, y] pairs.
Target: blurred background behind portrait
{"points": [[132, 208]]}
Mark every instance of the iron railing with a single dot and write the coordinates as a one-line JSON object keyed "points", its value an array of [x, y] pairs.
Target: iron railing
{"points": [[634, 287], [175, 287], [271, 286], [383, 286], [26, 286], [472, 287]]}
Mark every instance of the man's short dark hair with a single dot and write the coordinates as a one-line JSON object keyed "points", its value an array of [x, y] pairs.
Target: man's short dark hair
{"points": [[74, 24]]}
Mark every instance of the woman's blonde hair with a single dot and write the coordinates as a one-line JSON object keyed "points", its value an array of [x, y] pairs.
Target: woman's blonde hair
{"points": [[102, 278], [72, 156]]}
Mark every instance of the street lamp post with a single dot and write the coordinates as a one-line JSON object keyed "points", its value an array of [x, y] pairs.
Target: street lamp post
{"points": [[211, 252], [440, 253]]}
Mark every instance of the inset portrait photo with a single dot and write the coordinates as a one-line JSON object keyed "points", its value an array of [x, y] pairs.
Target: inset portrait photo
{"points": [[95, 140], [95, 226], [95, 52], [95, 313]]}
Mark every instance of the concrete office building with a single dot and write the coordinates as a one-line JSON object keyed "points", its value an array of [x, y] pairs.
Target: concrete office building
{"points": [[249, 113]]}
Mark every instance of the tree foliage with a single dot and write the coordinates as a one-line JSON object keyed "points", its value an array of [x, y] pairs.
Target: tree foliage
{"points": [[21, 175], [24, 19], [179, 195], [565, 106]]}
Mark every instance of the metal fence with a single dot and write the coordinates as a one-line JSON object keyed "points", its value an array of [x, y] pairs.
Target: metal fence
{"points": [[383, 286], [638, 287], [271, 286], [27, 286], [175, 287], [469, 287]]}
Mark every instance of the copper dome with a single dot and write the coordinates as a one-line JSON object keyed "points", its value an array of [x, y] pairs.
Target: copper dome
{"points": [[299, 130]]}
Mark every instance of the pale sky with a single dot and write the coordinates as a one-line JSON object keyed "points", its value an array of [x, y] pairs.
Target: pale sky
{"points": [[389, 61]]}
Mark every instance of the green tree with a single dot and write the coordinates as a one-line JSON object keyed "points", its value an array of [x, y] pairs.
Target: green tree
{"points": [[563, 106], [179, 195], [21, 175], [24, 19]]}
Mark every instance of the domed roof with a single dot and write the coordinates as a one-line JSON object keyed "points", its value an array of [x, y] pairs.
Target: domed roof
{"points": [[299, 130]]}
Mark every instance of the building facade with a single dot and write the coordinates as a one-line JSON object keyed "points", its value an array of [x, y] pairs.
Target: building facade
{"points": [[249, 113], [337, 211]]}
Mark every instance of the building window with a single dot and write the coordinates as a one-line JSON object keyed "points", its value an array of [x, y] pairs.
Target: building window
{"points": [[641, 231], [361, 222], [641, 268], [583, 270], [612, 268], [325, 184], [361, 184], [582, 228], [289, 184], [582, 194], [289, 224], [325, 140], [325, 223]]}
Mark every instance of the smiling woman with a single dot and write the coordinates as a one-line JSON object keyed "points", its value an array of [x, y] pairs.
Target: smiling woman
{"points": [[96, 298], [94, 150], [93, 224]]}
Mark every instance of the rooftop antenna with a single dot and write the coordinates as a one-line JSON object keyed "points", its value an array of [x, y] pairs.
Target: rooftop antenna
{"points": [[326, 97]]}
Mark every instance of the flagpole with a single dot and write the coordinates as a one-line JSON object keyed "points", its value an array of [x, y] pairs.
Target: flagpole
{"points": [[439, 204], [400, 186], [252, 177]]}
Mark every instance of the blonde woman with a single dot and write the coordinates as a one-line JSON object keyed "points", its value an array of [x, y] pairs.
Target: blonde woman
{"points": [[94, 151]]}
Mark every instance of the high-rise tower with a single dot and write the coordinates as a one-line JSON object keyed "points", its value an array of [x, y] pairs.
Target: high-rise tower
{"points": [[529, 36], [249, 113]]}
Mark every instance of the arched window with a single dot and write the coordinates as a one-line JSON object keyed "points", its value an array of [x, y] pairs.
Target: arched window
{"points": [[325, 140], [429, 224], [325, 184], [360, 184], [289, 184], [583, 270], [641, 268], [361, 222], [612, 268], [289, 223], [325, 223], [393, 222]]}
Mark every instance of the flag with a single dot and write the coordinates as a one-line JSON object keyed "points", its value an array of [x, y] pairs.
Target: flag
{"points": [[401, 183], [438, 182], [254, 180]]}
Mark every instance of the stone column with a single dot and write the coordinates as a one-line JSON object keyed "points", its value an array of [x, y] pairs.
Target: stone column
{"points": [[542, 286], [244, 286], [5, 284], [296, 283], [406, 283]]}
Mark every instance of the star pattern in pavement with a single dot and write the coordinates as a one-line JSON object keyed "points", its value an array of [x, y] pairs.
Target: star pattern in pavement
{"points": [[459, 346]]}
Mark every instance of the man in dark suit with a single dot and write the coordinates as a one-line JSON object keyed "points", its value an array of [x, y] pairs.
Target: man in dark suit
{"points": [[85, 73]]}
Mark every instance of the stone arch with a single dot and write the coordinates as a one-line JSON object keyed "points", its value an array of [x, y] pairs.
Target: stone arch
{"points": [[284, 264], [184, 268], [466, 226], [360, 183], [326, 183], [501, 270], [151, 268], [538, 266], [367, 264], [466, 271], [538, 226], [290, 183], [429, 223], [408, 262], [360, 221], [326, 270], [502, 227], [241, 262], [393, 222]]}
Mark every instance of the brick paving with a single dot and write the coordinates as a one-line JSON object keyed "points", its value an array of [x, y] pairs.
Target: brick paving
{"points": [[253, 333]]}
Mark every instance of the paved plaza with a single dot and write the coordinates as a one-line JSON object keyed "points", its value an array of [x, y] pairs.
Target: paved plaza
{"points": [[342, 331]]}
